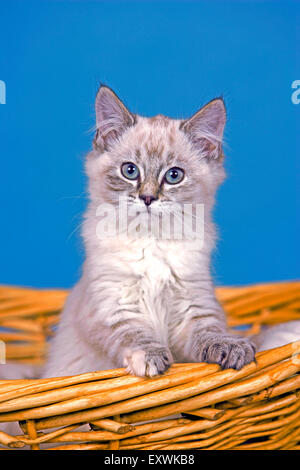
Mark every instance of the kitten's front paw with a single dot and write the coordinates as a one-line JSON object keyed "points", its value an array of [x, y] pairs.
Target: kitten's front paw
{"points": [[230, 352], [149, 362]]}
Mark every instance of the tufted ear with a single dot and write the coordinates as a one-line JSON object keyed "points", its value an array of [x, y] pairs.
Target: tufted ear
{"points": [[112, 118], [206, 127]]}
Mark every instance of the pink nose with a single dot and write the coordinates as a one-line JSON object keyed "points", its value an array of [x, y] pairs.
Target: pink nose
{"points": [[147, 199]]}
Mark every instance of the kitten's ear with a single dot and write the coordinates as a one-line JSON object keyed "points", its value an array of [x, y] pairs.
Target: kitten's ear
{"points": [[205, 128], [112, 118]]}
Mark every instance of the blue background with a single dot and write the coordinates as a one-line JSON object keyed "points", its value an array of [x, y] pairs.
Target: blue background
{"points": [[161, 57]]}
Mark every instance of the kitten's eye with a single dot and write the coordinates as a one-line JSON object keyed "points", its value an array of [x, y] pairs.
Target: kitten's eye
{"points": [[174, 175], [130, 171]]}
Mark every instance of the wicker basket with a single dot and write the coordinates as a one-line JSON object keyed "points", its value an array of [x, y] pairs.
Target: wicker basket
{"points": [[257, 407]]}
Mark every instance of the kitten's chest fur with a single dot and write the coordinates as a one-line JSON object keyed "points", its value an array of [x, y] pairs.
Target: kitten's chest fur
{"points": [[151, 279]]}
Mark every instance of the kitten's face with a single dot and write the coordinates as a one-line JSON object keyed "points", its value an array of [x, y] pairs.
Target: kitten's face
{"points": [[152, 163]]}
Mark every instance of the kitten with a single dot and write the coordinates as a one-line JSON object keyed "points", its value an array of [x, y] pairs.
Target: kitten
{"points": [[144, 302]]}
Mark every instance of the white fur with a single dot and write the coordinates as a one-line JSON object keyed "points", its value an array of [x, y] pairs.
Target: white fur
{"points": [[278, 335]]}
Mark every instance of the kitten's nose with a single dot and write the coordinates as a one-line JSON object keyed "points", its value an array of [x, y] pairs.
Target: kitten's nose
{"points": [[147, 199]]}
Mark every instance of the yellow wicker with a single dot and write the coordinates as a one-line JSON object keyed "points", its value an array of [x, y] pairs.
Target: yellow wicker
{"points": [[203, 407]]}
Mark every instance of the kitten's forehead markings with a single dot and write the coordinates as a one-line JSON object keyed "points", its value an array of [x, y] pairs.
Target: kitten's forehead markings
{"points": [[154, 151], [171, 136], [138, 155], [140, 137], [157, 134], [169, 125]]}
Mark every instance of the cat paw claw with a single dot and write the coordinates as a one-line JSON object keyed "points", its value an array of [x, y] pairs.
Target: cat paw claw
{"points": [[148, 363], [230, 352]]}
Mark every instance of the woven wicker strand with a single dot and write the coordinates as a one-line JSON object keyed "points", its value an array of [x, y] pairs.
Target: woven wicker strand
{"points": [[255, 408]]}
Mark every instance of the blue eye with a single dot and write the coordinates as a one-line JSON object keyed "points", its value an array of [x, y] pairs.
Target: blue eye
{"points": [[174, 175], [130, 171]]}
